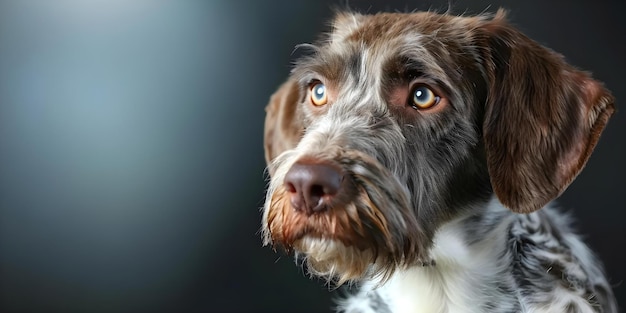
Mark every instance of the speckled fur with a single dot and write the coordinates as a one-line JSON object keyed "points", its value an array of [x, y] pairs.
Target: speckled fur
{"points": [[445, 209]]}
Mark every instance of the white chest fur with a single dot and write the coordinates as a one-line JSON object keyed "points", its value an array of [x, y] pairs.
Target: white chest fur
{"points": [[455, 284], [462, 281]]}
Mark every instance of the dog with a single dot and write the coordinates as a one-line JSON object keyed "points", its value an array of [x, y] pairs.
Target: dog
{"points": [[416, 155]]}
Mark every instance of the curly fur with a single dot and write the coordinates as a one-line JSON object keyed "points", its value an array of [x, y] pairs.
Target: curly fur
{"points": [[444, 209]]}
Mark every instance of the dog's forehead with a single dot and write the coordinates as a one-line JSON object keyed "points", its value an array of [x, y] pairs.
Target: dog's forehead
{"points": [[374, 30], [373, 45], [384, 28]]}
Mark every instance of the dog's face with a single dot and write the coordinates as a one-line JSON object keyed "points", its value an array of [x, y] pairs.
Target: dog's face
{"points": [[397, 123]]}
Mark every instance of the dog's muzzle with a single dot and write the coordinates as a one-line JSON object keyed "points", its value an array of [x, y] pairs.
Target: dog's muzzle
{"points": [[345, 212]]}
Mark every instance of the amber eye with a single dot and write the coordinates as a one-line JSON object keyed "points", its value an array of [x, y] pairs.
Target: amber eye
{"points": [[423, 98], [318, 94]]}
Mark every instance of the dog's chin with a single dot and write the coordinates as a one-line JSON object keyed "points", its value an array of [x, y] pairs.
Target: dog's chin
{"points": [[333, 260]]}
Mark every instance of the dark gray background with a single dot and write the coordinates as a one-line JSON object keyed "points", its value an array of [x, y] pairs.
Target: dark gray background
{"points": [[131, 159]]}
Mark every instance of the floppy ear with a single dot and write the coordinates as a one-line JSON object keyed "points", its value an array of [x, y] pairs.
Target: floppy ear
{"points": [[542, 118], [283, 123]]}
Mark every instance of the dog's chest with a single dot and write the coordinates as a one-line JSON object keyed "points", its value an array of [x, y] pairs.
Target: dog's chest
{"points": [[465, 279], [425, 290], [449, 286]]}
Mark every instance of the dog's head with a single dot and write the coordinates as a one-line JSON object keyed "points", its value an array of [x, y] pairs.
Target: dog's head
{"points": [[397, 123]]}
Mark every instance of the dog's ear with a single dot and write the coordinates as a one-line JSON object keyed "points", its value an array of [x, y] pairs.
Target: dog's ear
{"points": [[283, 124], [542, 118]]}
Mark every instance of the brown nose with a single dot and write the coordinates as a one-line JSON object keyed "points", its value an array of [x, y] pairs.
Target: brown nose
{"points": [[312, 186]]}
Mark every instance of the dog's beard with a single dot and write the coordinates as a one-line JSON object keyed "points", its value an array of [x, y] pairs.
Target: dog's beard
{"points": [[332, 259], [368, 231]]}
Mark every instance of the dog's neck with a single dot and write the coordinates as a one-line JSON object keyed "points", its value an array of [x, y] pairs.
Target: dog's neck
{"points": [[467, 262], [468, 259], [486, 261]]}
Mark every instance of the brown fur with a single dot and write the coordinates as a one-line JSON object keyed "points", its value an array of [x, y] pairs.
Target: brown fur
{"points": [[511, 119], [543, 117], [283, 126]]}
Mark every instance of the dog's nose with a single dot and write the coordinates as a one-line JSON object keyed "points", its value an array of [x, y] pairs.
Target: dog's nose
{"points": [[312, 186]]}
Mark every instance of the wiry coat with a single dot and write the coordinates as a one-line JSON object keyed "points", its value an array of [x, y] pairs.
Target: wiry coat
{"points": [[437, 208]]}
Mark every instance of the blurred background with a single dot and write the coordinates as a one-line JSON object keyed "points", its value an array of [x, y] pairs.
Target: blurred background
{"points": [[131, 157]]}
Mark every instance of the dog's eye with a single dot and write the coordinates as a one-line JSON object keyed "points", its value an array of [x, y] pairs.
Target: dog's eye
{"points": [[423, 98], [318, 94]]}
